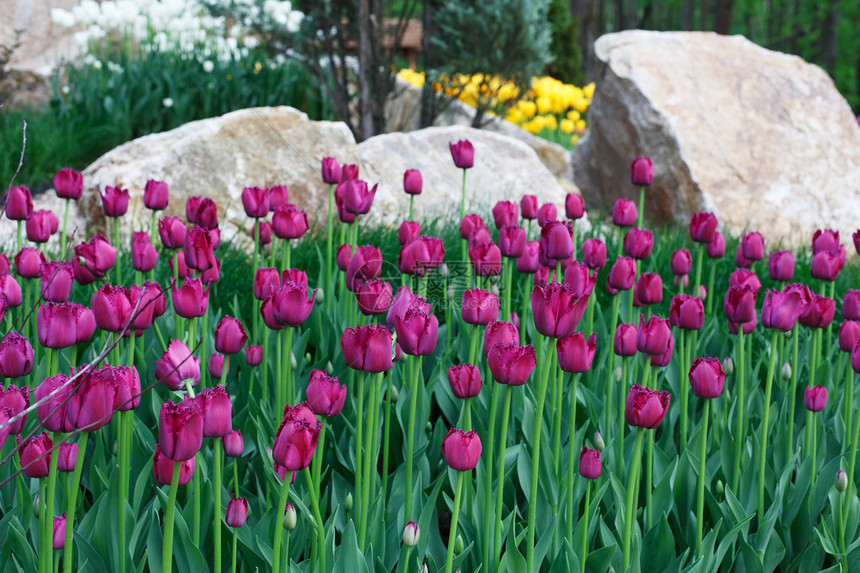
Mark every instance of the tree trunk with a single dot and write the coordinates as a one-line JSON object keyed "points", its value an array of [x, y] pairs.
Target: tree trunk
{"points": [[830, 36], [632, 15], [687, 11], [365, 72], [428, 101], [724, 16], [582, 12]]}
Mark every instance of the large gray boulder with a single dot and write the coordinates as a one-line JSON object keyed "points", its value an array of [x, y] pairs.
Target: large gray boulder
{"points": [[764, 139]]}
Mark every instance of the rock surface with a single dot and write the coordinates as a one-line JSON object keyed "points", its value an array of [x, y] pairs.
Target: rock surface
{"points": [[218, 157], [505, 169], [42, 43], [764, 139]]}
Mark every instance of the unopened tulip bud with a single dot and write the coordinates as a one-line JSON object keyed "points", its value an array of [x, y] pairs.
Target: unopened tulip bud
{"points": [[459, 545], [347, 503], [395, 394], [450, 292], [428, 427], [443, 271], [329, 369], [293, 362], [841, 481], [423, 568], [320, 295], [619, 373], [786, 371], [495, 289], [307, 356], [719, 488], [36, 506], [728, 366], [598, 441], [290, 517], [411, 534]]}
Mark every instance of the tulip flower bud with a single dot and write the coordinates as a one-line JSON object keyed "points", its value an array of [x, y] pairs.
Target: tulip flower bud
{"points": [[598, 442], [67, 457], [395, 394], [424, 569], [237, 512], [320, 294], [841, 481], [347, 503], [463, 153], [411, 534], [728, 366], [233, 444], [461, 450], [36, 506], [719, 487], [786, 371], [443, 271], [589, 463], [68, 183], [459, 545], [618, 374], [290, 517]]}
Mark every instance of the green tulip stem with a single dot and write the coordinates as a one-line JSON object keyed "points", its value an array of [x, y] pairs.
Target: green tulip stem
{"points": [[853, 449], [167, 547], [279, 524], [641, 209], [616, 305], [739, 421], [649, 478], [848, 405], [488, 471], [359, 444], [452, 535], [509, 271], [571, 457], [813, 366], [236, 548], [685, 387], [371, 439], [463, 201], [525, 310], [764, 425], [216, 490], [410, 434], [831, 294], [318, 521], [584, 524], [44, 532], [789, 446], [289, 391], [57, 438], [557, 416], [279, 368], [500, 488], [700, 495], [632, 486], [329, 236], [536, 439], [700, 257], [622, 403], [711, 295], [71, 502], [386, 439], [65, 227], [814, 458], [256, 315]]}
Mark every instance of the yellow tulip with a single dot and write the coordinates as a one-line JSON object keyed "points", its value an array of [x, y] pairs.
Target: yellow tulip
{"points": [[567, 126]]}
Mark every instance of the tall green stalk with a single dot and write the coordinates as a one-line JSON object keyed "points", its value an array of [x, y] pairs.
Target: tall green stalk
{"points": [[739, 421], [328, 248], [71, 503], [279, 524], [700, 495], [584, 555], [536, 438], [685, 388], [789, 447], [359, 443], [488, 473], [216, 490], [370, 451], [410, 435], [848, 405], [500, 488], [452, 535], [853, 449], [170, 511], [320, 524], [571, 456], [632, 486], [44, 532], [764, 425]]}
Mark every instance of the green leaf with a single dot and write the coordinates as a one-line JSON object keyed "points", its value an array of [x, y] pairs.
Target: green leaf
{"points": [[350, 557], [661, 547]]}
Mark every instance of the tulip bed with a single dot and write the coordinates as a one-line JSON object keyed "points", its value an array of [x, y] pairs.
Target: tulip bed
{"points": [[391, 400]]}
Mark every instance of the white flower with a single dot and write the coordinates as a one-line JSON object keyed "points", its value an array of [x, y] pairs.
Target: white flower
{"points": [[208, 66], [114, 68], [250, 42], [62, 18], [65, 90], [294, 21], [167, 102]]}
